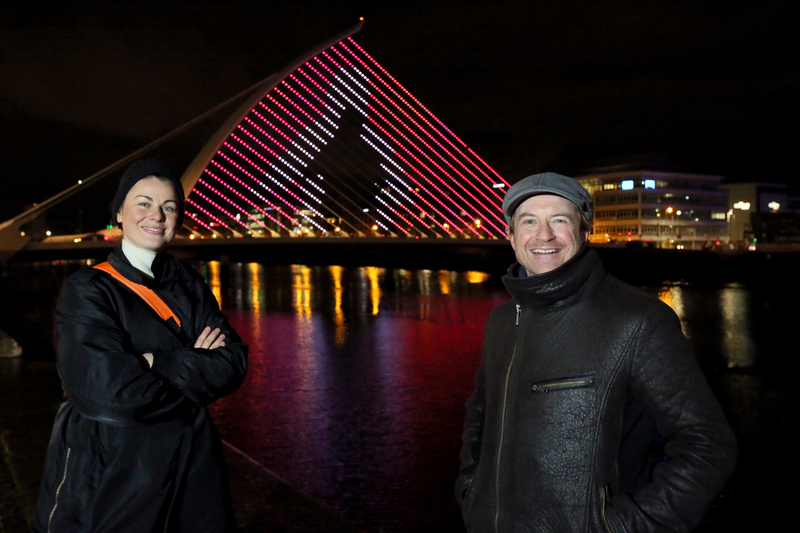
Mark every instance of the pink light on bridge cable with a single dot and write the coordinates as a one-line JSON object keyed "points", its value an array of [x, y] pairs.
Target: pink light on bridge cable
{"points": [[464, 179], [251, 176], [252, 191], [243, 197], [193, 217], [260, 156], [393, 210], [441, 193], [432, 181], [239, 167], [305, 126], [442, 148], [314, 95], [401, 204], [285, 124], [330, 84], [219, 207], [487, 210], [234, 204], [416, 193], [312, 106], [310, 208], [261, 144], [445, 137], [305, 114], [309, 117], [317, 85], [340, 80], [281, 185], [384, 215], [206, 212]]}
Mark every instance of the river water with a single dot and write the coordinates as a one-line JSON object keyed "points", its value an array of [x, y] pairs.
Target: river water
{"points": [[358, 378]]}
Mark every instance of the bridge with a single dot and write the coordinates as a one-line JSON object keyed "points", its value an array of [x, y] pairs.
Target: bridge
{"points": [[331, 147]]}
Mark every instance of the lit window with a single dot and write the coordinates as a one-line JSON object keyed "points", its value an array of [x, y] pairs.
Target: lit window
{"points": [[649, 184], [627, 185]]}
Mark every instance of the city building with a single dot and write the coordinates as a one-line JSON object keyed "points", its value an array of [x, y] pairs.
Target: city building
{"points": [[658, 208], [764, 215]]}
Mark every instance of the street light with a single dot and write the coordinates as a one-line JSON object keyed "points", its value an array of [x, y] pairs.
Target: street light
{"points": [[669, 226]]}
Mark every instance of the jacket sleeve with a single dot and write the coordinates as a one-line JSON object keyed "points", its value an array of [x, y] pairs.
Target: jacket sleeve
{"points": [[472, 436], [205, 375], [101, 373], [700, 445]]}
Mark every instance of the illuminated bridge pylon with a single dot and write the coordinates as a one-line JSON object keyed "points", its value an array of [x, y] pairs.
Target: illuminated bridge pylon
{"points": [[339, 147]]}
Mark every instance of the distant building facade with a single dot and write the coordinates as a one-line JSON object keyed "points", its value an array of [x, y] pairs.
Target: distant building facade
{"points": [[661, 209], [764, 214]]}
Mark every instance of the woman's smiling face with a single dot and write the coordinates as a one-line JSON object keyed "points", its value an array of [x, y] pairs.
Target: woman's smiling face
{"points": [[149, 215]]}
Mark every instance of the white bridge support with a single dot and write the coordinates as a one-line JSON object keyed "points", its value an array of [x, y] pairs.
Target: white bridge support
{"points": [[13, 238]]}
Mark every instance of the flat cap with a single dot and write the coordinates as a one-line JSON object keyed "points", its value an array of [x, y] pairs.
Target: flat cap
{"points": [[547, 183]]}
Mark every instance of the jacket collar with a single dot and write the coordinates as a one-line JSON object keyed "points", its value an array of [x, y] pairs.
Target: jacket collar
{"points": [[163, 268], [561, 285]]}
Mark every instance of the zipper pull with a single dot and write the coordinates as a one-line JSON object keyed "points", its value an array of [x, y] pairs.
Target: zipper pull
{"points": [[517, 321]]}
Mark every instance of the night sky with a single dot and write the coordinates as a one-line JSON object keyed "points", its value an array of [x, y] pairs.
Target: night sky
{"points": [[530, 86]]}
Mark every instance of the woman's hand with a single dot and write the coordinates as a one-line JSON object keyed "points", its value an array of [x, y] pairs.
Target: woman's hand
{"points": [[210, 339]]}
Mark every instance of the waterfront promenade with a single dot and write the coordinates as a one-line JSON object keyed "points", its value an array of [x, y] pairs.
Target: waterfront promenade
{"points": [[30, 393]]}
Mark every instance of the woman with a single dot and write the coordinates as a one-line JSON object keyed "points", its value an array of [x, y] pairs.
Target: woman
{"points": [[133, 447]]}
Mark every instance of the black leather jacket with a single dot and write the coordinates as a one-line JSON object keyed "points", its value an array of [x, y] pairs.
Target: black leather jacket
{"points": [[583, 379]]}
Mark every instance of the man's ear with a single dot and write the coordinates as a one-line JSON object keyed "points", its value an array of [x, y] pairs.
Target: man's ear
{"points": [[510, 235]]}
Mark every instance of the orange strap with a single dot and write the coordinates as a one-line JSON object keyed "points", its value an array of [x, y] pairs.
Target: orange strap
{"points": [[150, 297]]}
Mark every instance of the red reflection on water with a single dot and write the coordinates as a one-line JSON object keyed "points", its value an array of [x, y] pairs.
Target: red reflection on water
{"points": [[357, 384]]}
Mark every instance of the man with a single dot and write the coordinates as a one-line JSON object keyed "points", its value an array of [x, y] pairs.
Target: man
{"points": [[590, 413]]}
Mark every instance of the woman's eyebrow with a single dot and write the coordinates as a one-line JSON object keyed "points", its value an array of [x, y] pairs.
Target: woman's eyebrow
{"points": [[148, 198]]}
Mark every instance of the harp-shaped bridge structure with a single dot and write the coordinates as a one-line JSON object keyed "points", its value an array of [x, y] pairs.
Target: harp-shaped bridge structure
{"points": [[332, 146]]}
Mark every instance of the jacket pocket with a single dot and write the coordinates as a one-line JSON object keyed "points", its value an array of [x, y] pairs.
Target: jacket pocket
{"points": [[611, 519], [577, 382]]}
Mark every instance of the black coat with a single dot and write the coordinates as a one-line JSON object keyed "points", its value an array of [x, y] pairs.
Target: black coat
{"points": [[133, 448], [581, 376]]}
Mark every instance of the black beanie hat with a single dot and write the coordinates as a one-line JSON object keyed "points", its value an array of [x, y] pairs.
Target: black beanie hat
{"points": [[141, 169]]}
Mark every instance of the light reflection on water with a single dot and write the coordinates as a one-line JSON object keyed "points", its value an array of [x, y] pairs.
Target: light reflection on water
{"points": [[357, 383], [740, 350], [358, 377], [733, 326]]}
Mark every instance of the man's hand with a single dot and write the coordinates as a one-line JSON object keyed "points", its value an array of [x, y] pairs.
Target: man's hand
{"points": [[210, 339]]}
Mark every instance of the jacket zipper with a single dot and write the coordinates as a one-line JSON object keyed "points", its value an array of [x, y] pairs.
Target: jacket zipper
{"points": [[564, 383], [58, 490], [502, 431]]}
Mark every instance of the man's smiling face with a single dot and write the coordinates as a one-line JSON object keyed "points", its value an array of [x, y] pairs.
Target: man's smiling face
{"points": [[545, 233]]}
